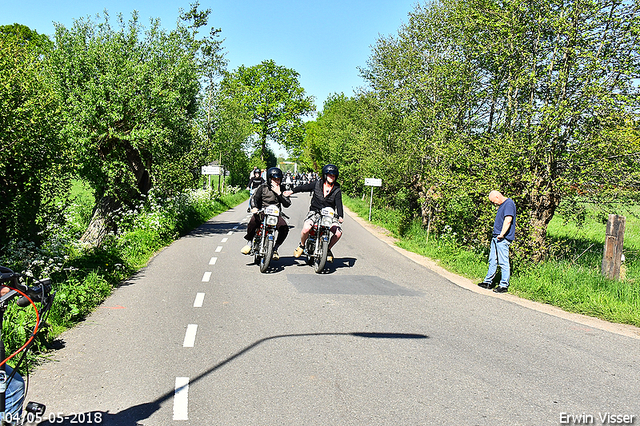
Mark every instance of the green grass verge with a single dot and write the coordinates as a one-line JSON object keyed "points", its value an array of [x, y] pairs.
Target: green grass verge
{"points": [[570, 280]]}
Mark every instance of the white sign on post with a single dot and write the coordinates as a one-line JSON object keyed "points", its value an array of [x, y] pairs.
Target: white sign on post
{"points": [[372, 182], [210, 170]]}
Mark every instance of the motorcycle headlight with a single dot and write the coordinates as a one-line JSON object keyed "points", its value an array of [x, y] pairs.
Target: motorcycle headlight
{"points": [[272, 220], [327, 221]]}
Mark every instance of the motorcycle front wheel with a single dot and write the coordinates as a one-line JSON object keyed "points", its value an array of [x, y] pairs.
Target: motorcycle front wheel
{"points": [[321, 257], [310, 248], [256, 250], [266, 259]]}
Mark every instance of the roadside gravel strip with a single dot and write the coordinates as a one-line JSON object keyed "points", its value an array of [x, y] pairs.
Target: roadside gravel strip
{"points": [[380, 233]]}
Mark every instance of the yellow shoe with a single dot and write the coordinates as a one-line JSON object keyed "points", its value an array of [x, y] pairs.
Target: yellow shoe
{"points": [[329, 257], [246, 249], [275, 255], [298, 252]]}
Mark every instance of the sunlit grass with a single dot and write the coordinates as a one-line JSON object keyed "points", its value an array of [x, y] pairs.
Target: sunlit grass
{"points": [[570, 279]]}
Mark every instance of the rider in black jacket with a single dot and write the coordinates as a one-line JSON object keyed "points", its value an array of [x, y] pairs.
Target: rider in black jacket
{"points": [[266, 194], [325, 193]]}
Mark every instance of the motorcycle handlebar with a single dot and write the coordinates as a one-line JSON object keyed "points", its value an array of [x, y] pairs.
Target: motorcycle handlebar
{"points": [[39, 292]]}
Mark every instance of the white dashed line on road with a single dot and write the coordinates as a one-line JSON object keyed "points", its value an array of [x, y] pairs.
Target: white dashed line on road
{"points": [[224, 240], [190, 336], [213, 261], [206, 277], [181, 399], [199, 300], [218, 249]]}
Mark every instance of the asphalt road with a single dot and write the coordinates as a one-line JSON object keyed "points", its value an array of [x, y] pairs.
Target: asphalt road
{"points": [[201, 337]]}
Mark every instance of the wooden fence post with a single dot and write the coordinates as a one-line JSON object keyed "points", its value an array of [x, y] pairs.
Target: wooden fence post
{"points": [[613, 247]]}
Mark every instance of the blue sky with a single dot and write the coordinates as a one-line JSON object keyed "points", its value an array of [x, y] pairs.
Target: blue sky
{"points": [[324, 41]]}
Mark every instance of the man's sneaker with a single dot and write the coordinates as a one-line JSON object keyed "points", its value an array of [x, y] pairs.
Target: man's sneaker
{"points": [[275, 255], [500, 289], [298, 251], [329, 257], [246, 249]]}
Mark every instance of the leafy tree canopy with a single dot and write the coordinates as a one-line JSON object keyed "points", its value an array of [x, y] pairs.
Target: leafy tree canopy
{"points": [[130, 95], [275, 101], [536, 99], [33, 159]]}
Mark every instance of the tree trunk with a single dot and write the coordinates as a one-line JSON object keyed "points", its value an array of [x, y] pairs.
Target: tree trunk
{"points": [[101, 223], [543, 207]]}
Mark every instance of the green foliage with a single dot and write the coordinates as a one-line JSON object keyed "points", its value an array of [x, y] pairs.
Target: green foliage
{"points": [[274, 101], [33, 159], [130, 96], [537, 100]]}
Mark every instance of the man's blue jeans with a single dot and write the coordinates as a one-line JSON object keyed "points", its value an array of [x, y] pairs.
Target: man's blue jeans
{"points": [[14, 395], [499, 256]]}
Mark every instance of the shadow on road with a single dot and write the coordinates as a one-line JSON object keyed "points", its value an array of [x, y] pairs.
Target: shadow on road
{"points": [[215, 228], [132, 415]]}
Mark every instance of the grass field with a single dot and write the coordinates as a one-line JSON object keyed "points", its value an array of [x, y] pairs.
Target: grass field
{"points": [[570, 279]]}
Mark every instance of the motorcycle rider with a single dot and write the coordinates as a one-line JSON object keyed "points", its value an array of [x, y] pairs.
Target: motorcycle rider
{"points": [[325, 192], [266, 194]]}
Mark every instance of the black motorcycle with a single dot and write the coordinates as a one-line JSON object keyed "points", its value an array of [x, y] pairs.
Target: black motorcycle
{"points": [[317, 245], [265, 238]]}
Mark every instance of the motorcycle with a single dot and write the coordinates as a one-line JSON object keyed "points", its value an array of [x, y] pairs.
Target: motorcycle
{"points": [[265, 238], [317, 245], [40, 292]]}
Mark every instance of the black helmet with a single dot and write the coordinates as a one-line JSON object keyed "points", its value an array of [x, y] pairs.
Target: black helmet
{"points": [[329, 169], [273, 173], [256, 171]]}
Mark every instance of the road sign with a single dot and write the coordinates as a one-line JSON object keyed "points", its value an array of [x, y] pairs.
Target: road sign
{"points": [[372, 182], [210, 170]]}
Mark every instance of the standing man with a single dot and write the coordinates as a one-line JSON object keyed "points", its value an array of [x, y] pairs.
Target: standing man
{"points": [[504, 228]]}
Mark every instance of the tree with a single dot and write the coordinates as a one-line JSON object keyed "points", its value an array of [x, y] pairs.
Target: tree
{"points": [[33, 159], [130, 96], [525, 97], [275, 100]]}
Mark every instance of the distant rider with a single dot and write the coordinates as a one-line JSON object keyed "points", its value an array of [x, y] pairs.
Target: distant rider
{"points": [[325, 193], [266, 194], [255, 181]]}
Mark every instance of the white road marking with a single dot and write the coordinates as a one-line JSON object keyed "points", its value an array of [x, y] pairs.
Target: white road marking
{"points": [[218, 249], [190, 336], [199, 300], [224, 240], [213, 261], [181, 399], [230, 233], [206, 277]]}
